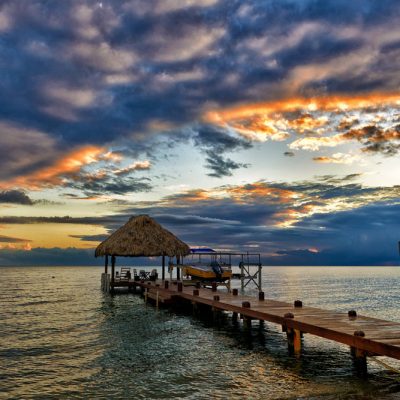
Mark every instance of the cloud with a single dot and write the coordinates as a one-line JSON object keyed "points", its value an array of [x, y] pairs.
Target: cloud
{"points": [[23, 149], [338, 158], [53, 175], [136, 166], [7, 239], [221, 166], [331, 220], [215, 142], [118, 72], [368, 119], [376, 139], [93, 186], [15, 197]]}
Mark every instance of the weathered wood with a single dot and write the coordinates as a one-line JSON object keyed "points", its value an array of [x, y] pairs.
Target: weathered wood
{"points": [[106, 264], [381, 337]]}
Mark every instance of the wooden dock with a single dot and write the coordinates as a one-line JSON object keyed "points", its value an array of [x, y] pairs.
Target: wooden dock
{"points": [[366, 336]]}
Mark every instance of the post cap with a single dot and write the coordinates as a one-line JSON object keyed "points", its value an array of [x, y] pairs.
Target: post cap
{"points": [[298, 303], [289, 315], [359, 333], [352, 314]]}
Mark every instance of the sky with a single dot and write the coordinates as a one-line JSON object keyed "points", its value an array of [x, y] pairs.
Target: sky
{"points": [[264, 126]]}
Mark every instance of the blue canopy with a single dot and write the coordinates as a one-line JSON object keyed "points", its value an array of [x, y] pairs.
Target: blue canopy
{"points": [[201, 250]]}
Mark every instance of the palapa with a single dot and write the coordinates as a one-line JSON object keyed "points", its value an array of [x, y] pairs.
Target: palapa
{"points": [[142, 236]]}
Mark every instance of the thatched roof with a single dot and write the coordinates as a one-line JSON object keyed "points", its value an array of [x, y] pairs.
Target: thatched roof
{"points": [[142, 236]]}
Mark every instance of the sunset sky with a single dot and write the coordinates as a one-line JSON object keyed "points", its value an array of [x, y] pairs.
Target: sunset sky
{"points": [[268, 126]]}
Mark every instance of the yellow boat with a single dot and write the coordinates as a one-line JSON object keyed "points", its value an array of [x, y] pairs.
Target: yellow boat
{"points": [[213, 270]]}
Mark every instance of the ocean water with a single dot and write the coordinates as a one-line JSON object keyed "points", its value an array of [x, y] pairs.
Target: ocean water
{"points": [[61, 337]]}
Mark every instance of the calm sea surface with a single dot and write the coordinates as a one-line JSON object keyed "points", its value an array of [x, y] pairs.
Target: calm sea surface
{"points": [[61, 337]]}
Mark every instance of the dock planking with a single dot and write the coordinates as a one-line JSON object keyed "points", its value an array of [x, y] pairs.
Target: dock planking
{"points": [[366, 336]]}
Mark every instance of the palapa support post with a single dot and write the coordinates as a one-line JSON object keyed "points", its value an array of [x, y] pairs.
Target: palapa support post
{"points": [[112, 273], [178, 270], [359, 357], [261, 296], [105, 277], [163, 268], [235, 292]]}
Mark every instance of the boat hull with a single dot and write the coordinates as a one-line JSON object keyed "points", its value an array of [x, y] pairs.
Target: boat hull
{"points": [[206, 275]]}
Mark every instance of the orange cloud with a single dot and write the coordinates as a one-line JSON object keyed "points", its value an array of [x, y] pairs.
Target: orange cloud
{"points": [[136, 166], [53, 175], [260, 190], [327, 103], [272, 120], [338, 158]]}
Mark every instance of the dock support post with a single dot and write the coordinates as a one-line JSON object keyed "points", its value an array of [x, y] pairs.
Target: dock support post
{"points": [[215, 311], [235, 317], [157, 299], [359, 358], [246, 320], [293, 336], [194, 303], [145, 295], [294, 341], [241, 275], [163, 268]]}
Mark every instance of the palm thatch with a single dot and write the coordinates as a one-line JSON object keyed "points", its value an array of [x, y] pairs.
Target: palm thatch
{"points": [[142, 236]]}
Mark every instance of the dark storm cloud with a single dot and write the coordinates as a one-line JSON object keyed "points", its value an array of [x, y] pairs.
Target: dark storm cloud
{"points": [[110, 185], [221, 166], [15, 197], [331, 221], [92, 73], [48, 257], [215, 142], [376, 139]]}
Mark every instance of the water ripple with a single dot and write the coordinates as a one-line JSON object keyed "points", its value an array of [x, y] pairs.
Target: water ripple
{"points": [[62, 338]]}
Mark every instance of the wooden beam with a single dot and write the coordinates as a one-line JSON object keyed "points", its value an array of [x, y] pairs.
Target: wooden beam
{"points": [[112, 271]]}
